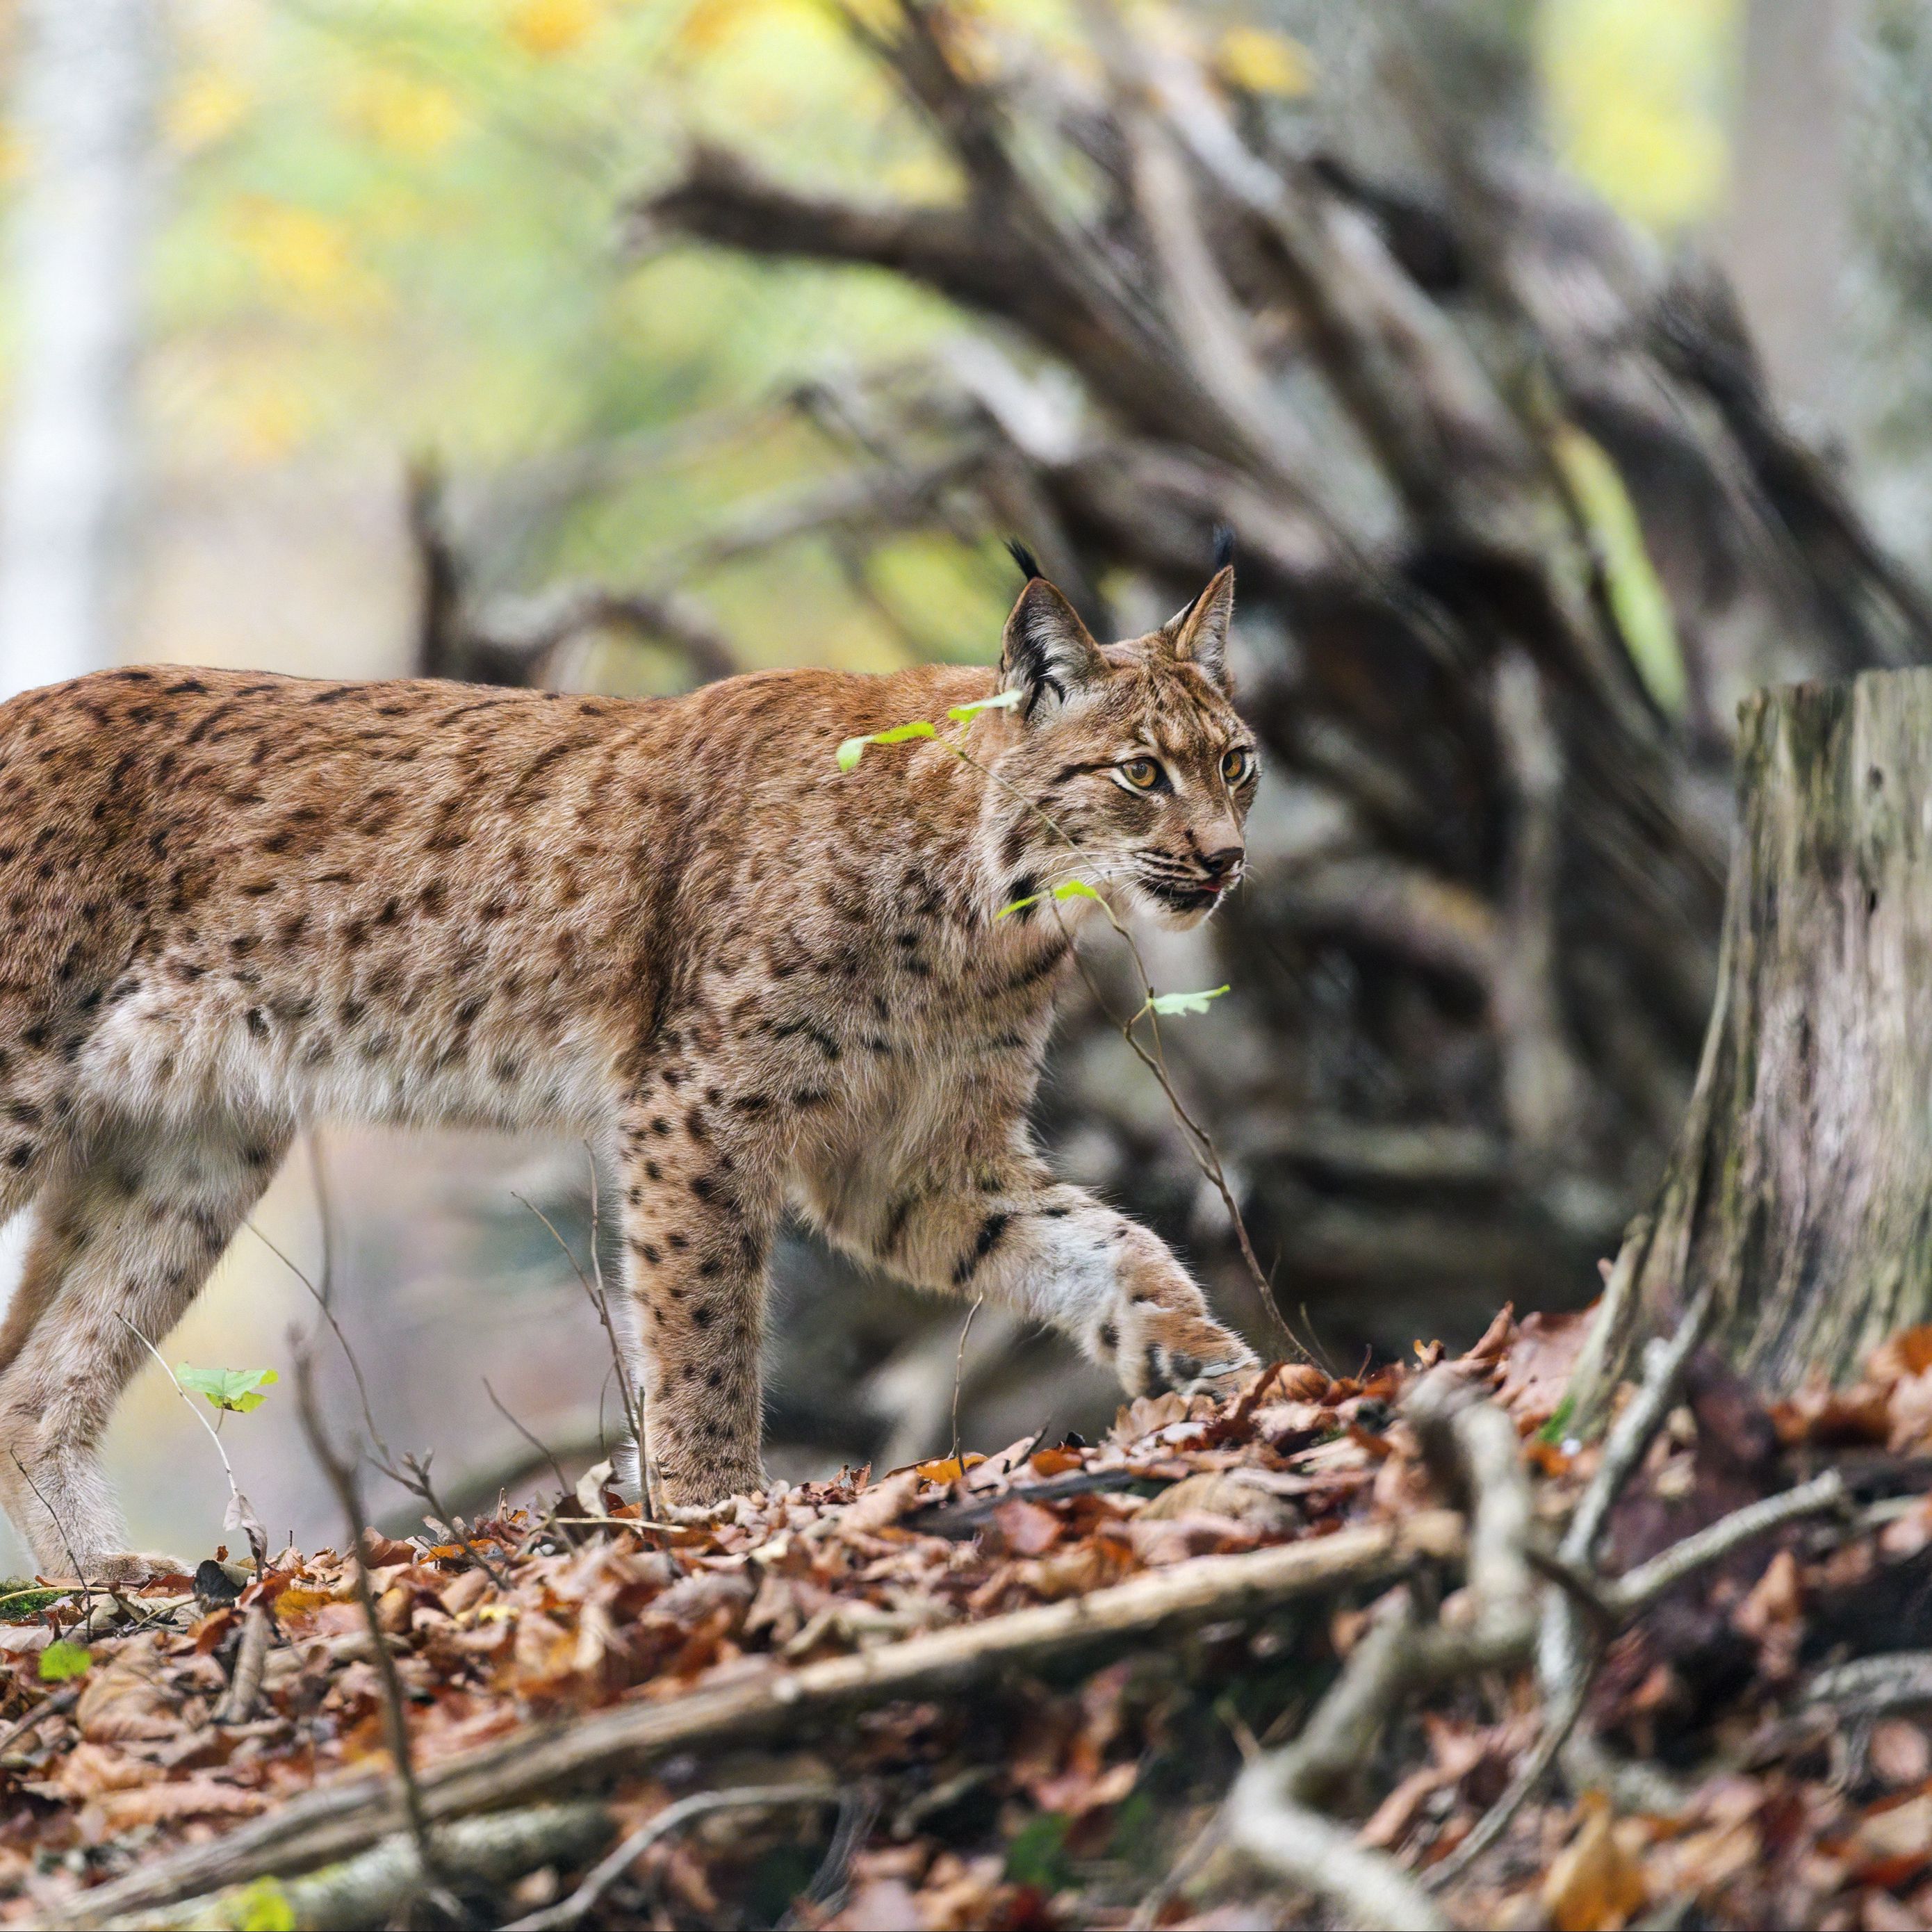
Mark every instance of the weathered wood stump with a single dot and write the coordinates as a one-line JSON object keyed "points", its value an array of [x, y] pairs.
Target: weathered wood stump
{"points": [[1801, 1187]]}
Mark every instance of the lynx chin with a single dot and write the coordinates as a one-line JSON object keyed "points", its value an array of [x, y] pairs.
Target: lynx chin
{"points": [[236, 903]]}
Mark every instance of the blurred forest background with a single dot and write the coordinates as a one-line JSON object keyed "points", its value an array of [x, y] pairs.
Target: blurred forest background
{"points": [[1561, 364]]}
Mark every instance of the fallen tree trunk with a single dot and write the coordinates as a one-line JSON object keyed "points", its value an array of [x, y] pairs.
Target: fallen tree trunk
{"points": [[1800, 1191]]}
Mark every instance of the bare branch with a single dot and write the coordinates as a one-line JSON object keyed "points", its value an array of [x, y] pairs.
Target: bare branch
{"points": [[606, 1874], [341, 1477]]}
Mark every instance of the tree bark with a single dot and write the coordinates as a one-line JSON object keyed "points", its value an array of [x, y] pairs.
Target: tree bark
{"points": [[1800, 1191]]}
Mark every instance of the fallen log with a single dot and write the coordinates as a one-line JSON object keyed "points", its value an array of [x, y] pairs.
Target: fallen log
{"points": [[491, 1853]]}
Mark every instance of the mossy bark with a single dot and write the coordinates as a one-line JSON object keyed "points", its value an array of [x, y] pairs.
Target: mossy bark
{"points": [[1801, 1187]]}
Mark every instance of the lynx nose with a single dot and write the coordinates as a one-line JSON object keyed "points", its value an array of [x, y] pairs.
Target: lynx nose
{"points": [[1223, 861]]}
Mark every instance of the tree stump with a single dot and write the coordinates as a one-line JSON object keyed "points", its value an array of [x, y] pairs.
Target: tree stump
{"points": [[1801, 1187]]}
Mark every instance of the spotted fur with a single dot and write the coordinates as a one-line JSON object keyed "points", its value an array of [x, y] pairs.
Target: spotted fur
{"points": [[235, 903]]}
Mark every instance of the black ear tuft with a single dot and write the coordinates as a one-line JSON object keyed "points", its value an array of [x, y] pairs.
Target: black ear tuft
{"points": [[1047, 652], [1029, 564], [1224, 545]]}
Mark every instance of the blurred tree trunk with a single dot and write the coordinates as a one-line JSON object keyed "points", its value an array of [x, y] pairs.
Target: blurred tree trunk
{"points": [[1801, 1189], [89, 70], [1785, 234]]}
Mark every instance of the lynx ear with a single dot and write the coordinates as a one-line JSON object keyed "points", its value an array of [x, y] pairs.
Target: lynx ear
{"points": [[1047, 652], [1200, 633]]}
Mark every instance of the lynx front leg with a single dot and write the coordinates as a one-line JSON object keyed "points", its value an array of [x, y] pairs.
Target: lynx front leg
{"points": [[698, 1220], [1056, 1254]]}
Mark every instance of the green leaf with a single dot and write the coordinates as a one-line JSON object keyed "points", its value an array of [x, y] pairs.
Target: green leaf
{"points": [[237, 1390], [263, 1906], [1170, 1003], [1637, 598], [1037, 1852], [1074, 889], [1553, 1431], [1001, 700], [854, 749], [63, 1659]]}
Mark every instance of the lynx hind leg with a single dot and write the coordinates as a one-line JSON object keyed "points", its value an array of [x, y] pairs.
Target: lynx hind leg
{"points": [[125, 1237], [700, 1205]]}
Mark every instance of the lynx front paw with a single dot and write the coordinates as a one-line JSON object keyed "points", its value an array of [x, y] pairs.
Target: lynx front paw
{"points": [[1186, 1373], [1154, 1346]]}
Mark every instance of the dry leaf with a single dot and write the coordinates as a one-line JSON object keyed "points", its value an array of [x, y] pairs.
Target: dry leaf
{"points": [[1222, 1493], [194, 1798], [1594, 1885]]}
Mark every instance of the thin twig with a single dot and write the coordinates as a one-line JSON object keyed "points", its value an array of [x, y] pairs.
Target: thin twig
{"points": [[342, 1480], [959, 1371], [1648, 1581], [413, 1476], [1199, 1142], [244, 1512], [57, 1705], [536, 1442], [632, 1399], [1175, 1880], [321, 1298], [1563, 1649], [1557, 1722], [67, 1542], [1630, 1435], [607, 1870]]}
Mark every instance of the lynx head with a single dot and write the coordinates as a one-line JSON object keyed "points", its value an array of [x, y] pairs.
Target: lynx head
{"points": [[1133, 752]]}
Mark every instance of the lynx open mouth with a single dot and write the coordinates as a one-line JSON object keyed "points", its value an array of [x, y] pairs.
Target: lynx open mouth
{"points": [[1182, 899]]}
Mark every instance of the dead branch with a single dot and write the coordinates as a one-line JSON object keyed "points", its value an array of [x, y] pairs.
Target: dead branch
{"points": [[1472, 1445], [1874, 1685], [1636, 1588], [342, 1480], [606, 1874], [491, 1853], [1364, 1887]]}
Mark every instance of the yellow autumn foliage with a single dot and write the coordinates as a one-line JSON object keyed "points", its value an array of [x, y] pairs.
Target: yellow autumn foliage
{"points": [[416, 119], [548, 27], [303, 257], [1258, 61], [208, 105], [1636, 92]]}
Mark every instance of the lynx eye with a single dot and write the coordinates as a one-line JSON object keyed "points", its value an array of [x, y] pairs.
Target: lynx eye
{"points": [[1143, 774], [1236, 765]]}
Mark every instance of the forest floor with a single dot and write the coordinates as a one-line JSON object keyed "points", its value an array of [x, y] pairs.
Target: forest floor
{"points": [[1016, 1694]]}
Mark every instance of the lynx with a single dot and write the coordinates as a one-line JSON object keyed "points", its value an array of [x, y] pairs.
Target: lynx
{"points": [[236, 903]]}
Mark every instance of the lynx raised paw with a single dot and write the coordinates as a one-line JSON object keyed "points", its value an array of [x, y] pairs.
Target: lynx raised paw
{"points": [[1188, 1374]]}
